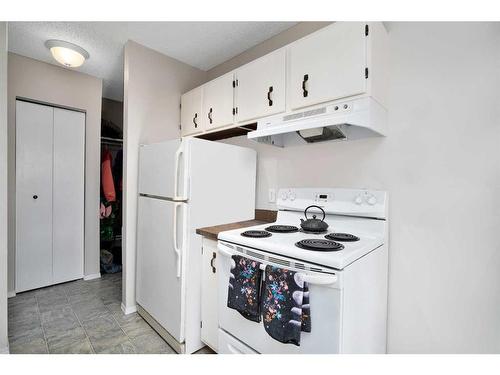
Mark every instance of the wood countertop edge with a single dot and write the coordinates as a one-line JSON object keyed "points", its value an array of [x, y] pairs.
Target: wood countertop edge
{"points": [[261, 217]]}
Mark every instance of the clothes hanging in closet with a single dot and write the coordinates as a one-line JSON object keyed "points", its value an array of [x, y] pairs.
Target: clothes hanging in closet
{"points": [[117, 173], [108, 185]]}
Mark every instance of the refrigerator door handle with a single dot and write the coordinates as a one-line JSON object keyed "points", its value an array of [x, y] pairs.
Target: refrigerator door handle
{"points": [[176, 249], [178, 153]]}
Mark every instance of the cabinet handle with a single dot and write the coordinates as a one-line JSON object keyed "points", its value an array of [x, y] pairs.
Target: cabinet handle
{"points": [[214, 255], [304, 90], [35, 196], [269, 96], [210, 115], [194, 120]]}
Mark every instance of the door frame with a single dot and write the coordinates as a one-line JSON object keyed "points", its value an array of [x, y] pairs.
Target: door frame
{"points": [[52, 105]]}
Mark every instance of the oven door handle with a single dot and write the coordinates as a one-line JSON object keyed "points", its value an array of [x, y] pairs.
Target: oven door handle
{"points": [[310, 279], [320, 280], [313, 279], [223, 251]]}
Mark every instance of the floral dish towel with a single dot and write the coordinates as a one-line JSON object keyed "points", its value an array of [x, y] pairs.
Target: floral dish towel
{"points": [[285, 309], [244, 287]]}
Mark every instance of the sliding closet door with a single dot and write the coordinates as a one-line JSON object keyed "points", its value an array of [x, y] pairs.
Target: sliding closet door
{"points": [[68, 193], [34, 142]]}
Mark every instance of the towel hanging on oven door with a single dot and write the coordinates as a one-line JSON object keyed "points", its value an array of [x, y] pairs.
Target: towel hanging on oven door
{"points": [[285, 305], [244, 287]]}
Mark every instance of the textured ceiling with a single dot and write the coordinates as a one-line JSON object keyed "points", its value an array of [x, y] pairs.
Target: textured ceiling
{"points": [[200, 44]]}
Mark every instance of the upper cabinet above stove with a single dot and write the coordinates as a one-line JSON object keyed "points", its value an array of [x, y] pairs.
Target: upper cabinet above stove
{"points": [[343, 61], [328, 65]]}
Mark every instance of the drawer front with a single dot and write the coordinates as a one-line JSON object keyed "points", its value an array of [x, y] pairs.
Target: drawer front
{"points": [[230, 345]]}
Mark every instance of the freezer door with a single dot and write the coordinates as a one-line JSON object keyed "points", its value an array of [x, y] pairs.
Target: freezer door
{"points": [[160, 281], [162, 170]]}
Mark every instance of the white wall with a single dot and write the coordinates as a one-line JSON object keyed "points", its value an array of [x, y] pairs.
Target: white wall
{"points": [[51, 84], [153, 87], [3, 188], [440, 164]]}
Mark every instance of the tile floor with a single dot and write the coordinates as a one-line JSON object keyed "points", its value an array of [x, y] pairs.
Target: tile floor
{"points": [[80, 317]]}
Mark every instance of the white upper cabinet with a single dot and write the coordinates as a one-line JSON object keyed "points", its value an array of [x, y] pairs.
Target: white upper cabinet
{"points": [[218, 103], [191, 112], [260, 88], [328, 64], [342, 60]]}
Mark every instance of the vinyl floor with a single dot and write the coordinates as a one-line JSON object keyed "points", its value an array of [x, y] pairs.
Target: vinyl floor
{"points": [[80, 317]]}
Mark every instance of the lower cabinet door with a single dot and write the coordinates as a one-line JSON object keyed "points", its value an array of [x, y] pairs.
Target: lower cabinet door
{"points": [[209, 317]]}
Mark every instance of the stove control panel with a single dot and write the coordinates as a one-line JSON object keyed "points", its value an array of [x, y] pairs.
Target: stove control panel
{"points": [[353, 202]]}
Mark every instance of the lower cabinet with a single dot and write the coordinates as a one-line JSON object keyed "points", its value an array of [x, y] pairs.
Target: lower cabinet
{"points": [[209, 316]]}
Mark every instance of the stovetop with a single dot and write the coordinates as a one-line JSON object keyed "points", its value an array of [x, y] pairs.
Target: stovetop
{"points": [[370, 233]]}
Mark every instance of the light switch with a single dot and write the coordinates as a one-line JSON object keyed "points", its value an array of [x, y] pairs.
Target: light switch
{"points": [[272, 195]]}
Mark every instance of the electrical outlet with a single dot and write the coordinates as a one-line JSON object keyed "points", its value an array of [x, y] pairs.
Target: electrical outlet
{"points": [[272, 195]]}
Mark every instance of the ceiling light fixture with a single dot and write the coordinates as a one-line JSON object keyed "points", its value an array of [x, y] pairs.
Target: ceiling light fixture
{"points": [[67, 54]]}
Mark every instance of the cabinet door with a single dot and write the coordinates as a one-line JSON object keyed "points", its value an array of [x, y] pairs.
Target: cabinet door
{"points": [[218, 102], [68, 195], [209, 316], [191, 121], [34, 135], [327, 65], [261, 87]]}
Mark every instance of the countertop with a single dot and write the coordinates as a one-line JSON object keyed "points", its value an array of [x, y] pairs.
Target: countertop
{"points": [[261, 217]]}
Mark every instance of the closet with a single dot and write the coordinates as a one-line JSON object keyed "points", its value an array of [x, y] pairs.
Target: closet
{"points": [[111, 202], [50, 183], [111, 186]]}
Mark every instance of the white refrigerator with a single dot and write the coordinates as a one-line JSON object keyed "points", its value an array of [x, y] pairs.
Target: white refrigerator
{"points": [[185, 185]]}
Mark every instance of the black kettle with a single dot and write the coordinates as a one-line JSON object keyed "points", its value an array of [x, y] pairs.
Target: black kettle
{"points": [[314, 225]]}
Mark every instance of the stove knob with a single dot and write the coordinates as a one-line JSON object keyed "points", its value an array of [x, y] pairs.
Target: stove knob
{"points": [[292, 196], [371, 200], [358, 200], [284, 195]]}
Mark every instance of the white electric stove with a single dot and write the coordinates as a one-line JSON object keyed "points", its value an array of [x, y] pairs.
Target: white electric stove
{"points": [[345, 267]]}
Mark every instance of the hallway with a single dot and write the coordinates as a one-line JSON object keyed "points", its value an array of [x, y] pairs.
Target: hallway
{"points": [[79, 317]]}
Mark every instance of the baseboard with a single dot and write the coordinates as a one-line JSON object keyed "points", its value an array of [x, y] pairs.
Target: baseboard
{"points": [[11, 294], [92, 277], [129, 310]]}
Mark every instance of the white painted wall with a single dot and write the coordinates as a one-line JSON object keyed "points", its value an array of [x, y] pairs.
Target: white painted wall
{"points": [[3, 188], [440, 164], [153, 87], [36, 80]]}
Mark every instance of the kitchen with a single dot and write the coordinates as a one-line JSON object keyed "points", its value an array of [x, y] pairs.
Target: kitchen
{"points": [[405, 162]]}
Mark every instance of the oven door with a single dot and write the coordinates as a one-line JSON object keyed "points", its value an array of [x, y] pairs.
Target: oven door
{"points": [[325, 296]]}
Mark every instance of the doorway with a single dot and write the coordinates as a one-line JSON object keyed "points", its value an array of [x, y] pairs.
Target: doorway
{"points": [[111, 206]]}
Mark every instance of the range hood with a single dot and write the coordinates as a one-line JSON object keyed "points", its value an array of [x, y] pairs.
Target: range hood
{"points": [[342, 121]]}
